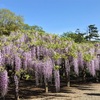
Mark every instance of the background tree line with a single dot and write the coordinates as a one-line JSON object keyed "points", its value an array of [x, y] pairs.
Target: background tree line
{"points": [[90, 35], [9, 21]]}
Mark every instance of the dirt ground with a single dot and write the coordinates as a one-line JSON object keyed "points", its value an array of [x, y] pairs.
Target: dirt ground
{"points": [[81, 91]]}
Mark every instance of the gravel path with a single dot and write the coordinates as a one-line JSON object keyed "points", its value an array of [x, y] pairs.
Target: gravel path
{"points": [[75, 92]]}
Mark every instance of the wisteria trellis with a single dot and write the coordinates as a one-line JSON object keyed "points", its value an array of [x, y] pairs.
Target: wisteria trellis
{"points": [[40, 53]]}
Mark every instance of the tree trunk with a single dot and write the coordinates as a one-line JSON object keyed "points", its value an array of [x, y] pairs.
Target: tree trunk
{"points": [[16, 87], [68, 79], [37, 78], [84, 75], [41, 80], [16, 97], [67, 67], [97, 79], [46, 86]]}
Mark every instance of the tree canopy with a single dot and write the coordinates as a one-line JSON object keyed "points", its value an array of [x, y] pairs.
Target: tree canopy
{"points": [[9, 21], [77, 37], [92, 32]]}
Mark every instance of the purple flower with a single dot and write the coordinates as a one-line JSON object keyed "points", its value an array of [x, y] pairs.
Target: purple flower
{"points": [[3, 82]]}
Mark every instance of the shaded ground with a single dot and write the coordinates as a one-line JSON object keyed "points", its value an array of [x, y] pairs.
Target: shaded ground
{"points": [[28, 91]]}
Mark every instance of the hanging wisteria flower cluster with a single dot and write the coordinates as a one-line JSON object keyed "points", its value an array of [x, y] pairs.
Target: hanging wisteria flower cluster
{"points": [[3, 81]]}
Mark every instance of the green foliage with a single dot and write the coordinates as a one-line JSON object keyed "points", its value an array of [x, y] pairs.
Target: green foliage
{"points": [[56, 56], [53, 45], [39, 43], [24, 73], [87, 57], [77, 37], [9, 21], [73, 50], [64, 56], [92, 32], [18, 73], [25, 47], [26, 27], [56, 67], [26, 76], [35, 27], [2, 69]]}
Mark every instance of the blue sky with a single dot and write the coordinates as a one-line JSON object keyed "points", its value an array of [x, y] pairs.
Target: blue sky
{"points": [[57, 16]]}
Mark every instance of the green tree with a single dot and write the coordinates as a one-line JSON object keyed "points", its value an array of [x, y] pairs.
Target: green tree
{"points": [[9, 21], [92, 32], [34, 27], [76, 36], [26, 27], [37, 28]]}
